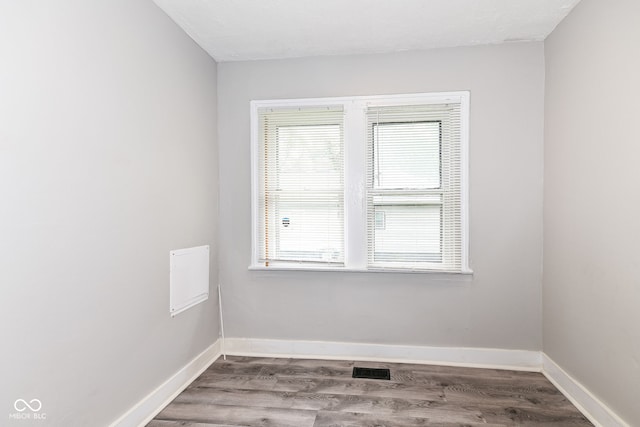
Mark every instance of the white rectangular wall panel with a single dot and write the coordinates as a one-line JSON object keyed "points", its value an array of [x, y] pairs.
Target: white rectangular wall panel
{"points": [[188, 278]]}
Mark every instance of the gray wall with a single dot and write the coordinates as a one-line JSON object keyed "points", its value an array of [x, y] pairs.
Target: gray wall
{"points": [[500, 306], [592, 201], [108, 160]]}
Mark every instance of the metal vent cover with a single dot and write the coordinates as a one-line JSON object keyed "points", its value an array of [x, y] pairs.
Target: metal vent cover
{"points": [[371, 373]]}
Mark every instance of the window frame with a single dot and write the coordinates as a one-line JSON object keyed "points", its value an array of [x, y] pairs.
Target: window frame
{"points": [[355, 176]]}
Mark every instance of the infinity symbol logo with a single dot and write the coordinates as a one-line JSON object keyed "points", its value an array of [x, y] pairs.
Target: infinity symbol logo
{"points": [[21, 405]]}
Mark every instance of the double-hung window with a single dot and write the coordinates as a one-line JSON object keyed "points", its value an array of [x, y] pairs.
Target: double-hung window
{"points": [[301, 185], [361, 183]]}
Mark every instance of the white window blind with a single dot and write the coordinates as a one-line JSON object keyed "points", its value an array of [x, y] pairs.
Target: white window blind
{"points": [[365, 183], [414, 187], [301, 185]]}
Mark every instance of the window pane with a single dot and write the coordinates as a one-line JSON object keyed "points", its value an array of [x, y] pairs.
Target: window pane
{"points": [[406, 155], [309, 157], [310, 230], [407, 234]]}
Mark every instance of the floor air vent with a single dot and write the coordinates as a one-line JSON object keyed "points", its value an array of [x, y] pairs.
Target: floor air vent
{"points": [[371, 373]]}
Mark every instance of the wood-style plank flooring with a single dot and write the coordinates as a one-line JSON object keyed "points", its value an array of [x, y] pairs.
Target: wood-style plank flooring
{"points": [[248, 391]]}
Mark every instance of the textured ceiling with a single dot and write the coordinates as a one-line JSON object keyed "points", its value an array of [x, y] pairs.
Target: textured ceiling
{"points": [[237, 30]]}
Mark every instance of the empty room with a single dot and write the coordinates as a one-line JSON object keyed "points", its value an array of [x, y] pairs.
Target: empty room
{"points": [[319, 213]]}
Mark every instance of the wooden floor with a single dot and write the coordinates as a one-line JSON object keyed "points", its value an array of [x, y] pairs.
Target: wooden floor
{"points": [[244, 391]]}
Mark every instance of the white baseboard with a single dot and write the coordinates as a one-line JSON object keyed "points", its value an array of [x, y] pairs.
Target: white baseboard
{"points": [[151, 405], [590, 406], [523, 360]]}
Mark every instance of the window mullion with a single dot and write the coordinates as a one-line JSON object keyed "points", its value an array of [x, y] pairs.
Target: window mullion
{"points": [[355, 186]]}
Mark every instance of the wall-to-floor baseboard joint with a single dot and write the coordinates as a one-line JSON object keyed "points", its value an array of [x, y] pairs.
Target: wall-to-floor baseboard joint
{"points": [[154, 402]]}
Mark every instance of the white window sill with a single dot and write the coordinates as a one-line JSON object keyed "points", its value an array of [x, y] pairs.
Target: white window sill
{"points": [[316, 268]]}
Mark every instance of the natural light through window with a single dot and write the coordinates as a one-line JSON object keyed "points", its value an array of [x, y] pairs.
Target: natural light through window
{"points": [[362, 183]]}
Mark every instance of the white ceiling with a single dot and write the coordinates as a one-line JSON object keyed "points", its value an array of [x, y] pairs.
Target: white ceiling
{"points": [[237, 30]]}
